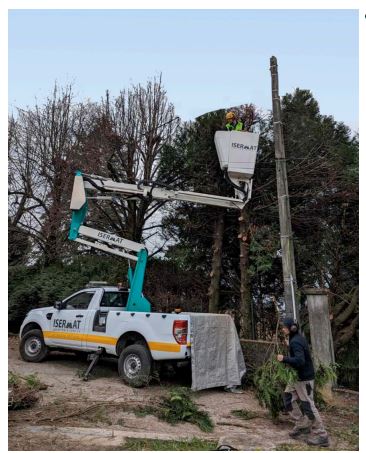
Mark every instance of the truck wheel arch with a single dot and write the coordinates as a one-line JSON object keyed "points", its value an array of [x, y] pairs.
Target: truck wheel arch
{"points": [[31, 326], [129, 338]]}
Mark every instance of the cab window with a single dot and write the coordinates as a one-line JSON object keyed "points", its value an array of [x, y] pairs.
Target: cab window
{"points": [[80, 301], [114, 299]]}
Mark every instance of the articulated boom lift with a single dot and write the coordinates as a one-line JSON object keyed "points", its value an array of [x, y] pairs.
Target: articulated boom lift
{"points": [[237, 153]]}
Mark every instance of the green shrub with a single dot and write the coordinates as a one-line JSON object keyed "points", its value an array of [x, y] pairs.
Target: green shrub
{"points": [[323, 375]]}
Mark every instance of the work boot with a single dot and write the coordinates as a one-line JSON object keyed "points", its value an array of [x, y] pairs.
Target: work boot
{"points": [[297, 431], [318, 441]]}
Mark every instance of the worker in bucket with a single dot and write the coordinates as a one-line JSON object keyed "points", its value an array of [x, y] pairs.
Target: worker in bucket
{"points": [[304, 412], [233, 124]]}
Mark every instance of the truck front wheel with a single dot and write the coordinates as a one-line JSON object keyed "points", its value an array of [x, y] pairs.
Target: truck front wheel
{"points": [[134, 365], [32, 347]]}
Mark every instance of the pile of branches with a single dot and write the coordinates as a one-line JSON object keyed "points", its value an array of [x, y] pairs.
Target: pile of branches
{"points": [[178, 406], [23, 391], [270, 381]]}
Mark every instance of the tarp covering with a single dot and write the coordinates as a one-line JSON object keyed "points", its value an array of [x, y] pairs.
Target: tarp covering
{"points": [[216, 354]]}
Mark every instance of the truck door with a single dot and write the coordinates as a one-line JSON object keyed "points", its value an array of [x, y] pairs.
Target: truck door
{"points": [[101, 321], [69, 323]]}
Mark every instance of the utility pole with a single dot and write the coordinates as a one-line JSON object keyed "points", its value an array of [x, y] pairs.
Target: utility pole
{"points": [[287, 245]]}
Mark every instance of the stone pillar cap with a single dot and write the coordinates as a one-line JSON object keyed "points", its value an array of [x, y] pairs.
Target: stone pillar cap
{"points": [[308, 290]]}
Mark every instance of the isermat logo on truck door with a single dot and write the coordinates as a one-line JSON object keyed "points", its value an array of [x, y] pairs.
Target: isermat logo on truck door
{"points": [[63, 324]]}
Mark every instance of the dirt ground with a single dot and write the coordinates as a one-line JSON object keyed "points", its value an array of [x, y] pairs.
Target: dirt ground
{"points": [[96, 415]]}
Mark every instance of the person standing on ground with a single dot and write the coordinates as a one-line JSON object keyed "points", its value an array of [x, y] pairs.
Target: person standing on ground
{"points": [[306, 415]]}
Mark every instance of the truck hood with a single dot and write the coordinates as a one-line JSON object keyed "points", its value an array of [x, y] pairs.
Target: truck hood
{"points": [[39, 310]]}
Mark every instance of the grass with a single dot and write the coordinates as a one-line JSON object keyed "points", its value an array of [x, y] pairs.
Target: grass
{"points": [[33, 382], [143, 411], [168, 445], [349, 435], [245, 415], [13, 379], [298, 447], [99, 415]]}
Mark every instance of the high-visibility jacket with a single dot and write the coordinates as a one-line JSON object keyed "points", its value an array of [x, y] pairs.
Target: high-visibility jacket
{"points": [[238, 126]]}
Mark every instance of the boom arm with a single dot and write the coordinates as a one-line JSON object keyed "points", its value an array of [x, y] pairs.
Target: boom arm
{"points": [[107, 186], [237, 153]]}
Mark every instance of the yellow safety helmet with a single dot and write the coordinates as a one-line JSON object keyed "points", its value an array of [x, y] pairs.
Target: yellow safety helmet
{"points": [[230, 116]]}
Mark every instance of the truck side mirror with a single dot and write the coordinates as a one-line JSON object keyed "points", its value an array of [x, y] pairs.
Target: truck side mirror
{"points": [[58, 305]]}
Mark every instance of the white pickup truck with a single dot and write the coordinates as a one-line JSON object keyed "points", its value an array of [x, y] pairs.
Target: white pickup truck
{"points": [[94, 319]]}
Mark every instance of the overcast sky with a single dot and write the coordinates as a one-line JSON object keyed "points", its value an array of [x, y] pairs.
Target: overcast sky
{"points": [[209, 59]]}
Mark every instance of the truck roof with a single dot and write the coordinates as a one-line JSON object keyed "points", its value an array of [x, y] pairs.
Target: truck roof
{"points": [[108, 288]]}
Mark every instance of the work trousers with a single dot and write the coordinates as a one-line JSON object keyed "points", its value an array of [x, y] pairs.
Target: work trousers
{"points": [[299, 402]]}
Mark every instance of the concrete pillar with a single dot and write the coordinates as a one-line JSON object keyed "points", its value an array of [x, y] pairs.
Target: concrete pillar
{"points": [[320, 330]]}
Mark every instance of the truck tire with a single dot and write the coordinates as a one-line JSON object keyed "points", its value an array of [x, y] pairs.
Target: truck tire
{"points": [[32, 347], [134, 365]]}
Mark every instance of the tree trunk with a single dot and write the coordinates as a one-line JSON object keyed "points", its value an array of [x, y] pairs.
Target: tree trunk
{"points": [[214, 289], [245, 295]]}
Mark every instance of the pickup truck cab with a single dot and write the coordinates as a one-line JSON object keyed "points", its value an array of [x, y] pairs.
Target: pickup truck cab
{"points": [[95, 319]]}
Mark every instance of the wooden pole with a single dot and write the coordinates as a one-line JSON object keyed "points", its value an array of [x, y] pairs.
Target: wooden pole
{"points": [[288, 256]]}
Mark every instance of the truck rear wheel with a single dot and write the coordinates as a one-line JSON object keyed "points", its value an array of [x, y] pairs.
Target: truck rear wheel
{"points": [[134, 365], [32, 347]]}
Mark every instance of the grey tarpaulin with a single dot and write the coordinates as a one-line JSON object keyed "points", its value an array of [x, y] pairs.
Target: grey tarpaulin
{"points": [[216, 354]]}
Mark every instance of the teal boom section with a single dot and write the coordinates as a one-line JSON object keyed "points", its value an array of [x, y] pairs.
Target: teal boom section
{"points": [[130, 275], [77, 219], [136, 300]]}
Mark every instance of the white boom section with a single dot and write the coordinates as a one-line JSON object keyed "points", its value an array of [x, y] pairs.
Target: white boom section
{"points": [[111, 239], [157, 193]]}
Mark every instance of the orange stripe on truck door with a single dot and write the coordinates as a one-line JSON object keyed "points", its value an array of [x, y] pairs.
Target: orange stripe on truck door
{"points": [[72, 336]]}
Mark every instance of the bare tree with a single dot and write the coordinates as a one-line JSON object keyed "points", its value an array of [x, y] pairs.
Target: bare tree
{"points": [[137, 125], [45, 148]]}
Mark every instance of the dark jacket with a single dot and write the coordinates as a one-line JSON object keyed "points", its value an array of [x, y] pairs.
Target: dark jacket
{"points": [[300, 358]]}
